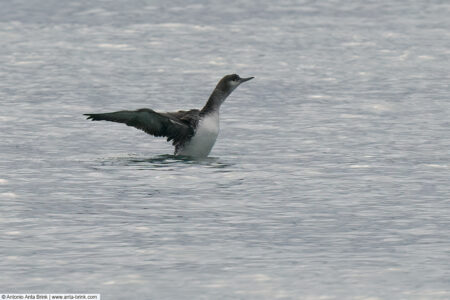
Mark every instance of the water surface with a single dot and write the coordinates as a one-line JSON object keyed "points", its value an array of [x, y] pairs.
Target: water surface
{"points": [[329, 180]]}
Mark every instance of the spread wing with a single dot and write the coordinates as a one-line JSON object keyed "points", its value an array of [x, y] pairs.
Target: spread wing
{"points": [[175, 126]]}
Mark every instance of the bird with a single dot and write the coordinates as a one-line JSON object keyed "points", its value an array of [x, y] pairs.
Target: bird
{"points": [[193, 132]]}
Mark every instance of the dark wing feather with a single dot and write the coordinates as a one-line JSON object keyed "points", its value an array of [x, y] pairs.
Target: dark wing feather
{"points": [[190, 117], [169, 125]]}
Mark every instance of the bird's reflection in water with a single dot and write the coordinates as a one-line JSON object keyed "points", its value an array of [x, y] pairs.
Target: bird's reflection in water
{"points": [[164, 161]]}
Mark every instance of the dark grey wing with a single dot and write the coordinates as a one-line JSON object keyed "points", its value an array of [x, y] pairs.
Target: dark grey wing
{"points": [[157, 124], [190, 117]]}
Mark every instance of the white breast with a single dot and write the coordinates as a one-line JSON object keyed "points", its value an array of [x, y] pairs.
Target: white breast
{"points": [[205, 136]]}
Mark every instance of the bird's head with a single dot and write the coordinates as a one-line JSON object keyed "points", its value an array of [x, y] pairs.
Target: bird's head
{"points": [[223, 89], [229, 82]]}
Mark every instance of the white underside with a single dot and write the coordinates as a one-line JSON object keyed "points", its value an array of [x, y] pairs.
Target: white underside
{"points": [[205, 136]]}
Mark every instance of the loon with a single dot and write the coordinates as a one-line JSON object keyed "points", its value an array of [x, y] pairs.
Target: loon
{"points": [[192, 132]]}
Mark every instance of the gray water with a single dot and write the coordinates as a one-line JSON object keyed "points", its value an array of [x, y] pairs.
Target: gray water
{"points": [[329, 179]]}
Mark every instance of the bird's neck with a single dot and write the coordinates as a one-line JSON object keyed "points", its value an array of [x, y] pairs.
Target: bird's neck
{"points": [[215, 100]]}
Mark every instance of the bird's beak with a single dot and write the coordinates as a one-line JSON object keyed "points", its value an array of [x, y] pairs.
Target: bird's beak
{"points": [[246, 79]]}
